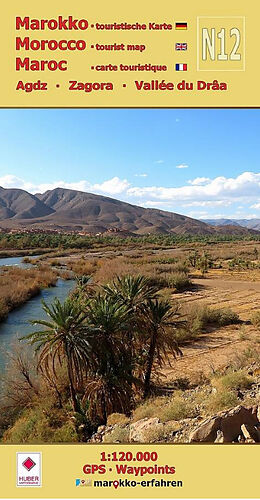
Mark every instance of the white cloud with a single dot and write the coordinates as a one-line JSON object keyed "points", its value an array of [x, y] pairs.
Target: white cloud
{"points": [[199, 181], [155, 204], [141, 175], [11, 181], [242, 187], [215, 203], [182, 166], [159, 161], [112, 186], [198, 214], [256, 205]]}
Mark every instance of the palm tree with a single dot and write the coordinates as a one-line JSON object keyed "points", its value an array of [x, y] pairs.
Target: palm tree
{"points": [[161, 327], [83, 281], [84, 287], [63, 338], [132, 292], [109, 388]]}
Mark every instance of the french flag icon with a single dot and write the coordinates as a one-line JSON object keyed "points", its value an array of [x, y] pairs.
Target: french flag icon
{"points": [[181, 67]]}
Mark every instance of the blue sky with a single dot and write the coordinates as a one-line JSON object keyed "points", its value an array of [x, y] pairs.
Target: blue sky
{"points": [[203, 163]]}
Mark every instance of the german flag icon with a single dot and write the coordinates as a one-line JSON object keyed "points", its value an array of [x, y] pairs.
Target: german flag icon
{"points": [[181, 26]]}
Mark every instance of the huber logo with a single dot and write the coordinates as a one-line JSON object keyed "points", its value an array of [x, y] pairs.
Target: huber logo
{"points": [[29, 463], [28, 469]]}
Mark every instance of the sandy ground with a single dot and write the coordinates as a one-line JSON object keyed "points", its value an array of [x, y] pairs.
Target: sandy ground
{"points": [[217, 348]]}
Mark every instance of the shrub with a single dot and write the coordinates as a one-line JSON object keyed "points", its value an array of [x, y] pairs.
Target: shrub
{"points": [[181, 267], [233, 381], [161, 432], [108, 269], [55, 263], [165, 408], [148, 409], [221, 401], [65, 434], [180, 281], [3, 309], [203, 316], [184, 335], [117, 418], [83, 267], [255, 319], [27, 260], [249, 356], [29, 428], [227, 317], [177, 409], [118, 435], [41, 424]]}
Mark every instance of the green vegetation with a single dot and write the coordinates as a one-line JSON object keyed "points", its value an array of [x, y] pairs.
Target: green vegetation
{"points": [[203, 316], [42, 419], [180, 281], [42, 424], [63, 339], [96, 353], [233, 381], [166, 408], [21, 241], [221, 401]]}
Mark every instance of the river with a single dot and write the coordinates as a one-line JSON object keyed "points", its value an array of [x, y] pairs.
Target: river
{"points": [[17, 323], [14, 261]]}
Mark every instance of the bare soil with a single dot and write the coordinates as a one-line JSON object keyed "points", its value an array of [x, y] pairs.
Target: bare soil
{"points": [[218, 347]]}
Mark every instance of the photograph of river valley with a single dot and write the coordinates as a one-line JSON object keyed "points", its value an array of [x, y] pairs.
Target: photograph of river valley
{"points": [[129, 276]]}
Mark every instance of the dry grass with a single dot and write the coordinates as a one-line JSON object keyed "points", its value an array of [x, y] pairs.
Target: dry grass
{"points": [[43, 423], [161, 432], [202, 316], [207, 308], [108, 269], [221, 401], [255, 319], [117, 418], [118, 435], [19, 285], [82, 266], [166, 408], [233, 381], [166, 272]]}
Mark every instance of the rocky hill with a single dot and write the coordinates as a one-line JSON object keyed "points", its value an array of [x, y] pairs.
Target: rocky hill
{"points": [[66, 209]]}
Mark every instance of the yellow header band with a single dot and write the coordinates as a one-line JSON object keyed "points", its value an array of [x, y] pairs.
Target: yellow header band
{"points": [[119, 55]]}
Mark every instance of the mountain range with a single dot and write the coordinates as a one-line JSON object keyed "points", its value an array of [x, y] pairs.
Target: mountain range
{"points": [[70, 210], [249, 223]]}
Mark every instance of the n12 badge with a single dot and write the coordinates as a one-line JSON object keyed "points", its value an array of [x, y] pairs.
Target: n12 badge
{"points": [[221, 43]]}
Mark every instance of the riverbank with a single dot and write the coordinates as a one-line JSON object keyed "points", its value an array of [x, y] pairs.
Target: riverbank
{"points": [[19, 285], [23, 253]]}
